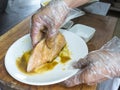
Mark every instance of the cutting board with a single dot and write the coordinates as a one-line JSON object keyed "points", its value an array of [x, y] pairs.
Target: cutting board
{"points": [[104, 30]]}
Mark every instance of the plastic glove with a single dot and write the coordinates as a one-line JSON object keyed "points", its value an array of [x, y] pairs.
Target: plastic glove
{"points": [[98, 65], [47, 22]]}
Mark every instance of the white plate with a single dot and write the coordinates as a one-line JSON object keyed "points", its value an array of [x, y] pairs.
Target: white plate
{"points": [[76, 45]]}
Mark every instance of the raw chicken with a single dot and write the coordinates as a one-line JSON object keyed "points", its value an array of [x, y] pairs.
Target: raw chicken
{"points": [[41, 54]]}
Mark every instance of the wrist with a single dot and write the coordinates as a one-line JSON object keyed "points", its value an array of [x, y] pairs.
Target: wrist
{"points": [[69, 3], [74, 4]]}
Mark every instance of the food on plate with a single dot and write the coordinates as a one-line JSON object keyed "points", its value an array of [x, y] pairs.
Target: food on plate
{"points": [[22, 61], [41, 54], [63, 57]]}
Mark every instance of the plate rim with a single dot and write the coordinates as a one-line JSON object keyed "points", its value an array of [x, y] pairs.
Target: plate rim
{"points": [[39, 84]]}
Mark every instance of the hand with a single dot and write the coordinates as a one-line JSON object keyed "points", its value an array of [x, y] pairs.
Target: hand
{"points": [[98, 65], [47, 22]]}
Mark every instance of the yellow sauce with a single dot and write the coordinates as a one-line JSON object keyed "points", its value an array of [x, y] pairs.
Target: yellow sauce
{"points": [[65, 55], [21, 62], [46, 67]]}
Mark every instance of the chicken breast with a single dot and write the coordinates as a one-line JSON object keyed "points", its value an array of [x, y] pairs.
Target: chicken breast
{"points": [[41, 54]]}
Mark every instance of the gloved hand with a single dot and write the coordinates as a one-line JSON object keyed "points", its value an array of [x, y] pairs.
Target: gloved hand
{"points": [[98, 65], [47, 22]]}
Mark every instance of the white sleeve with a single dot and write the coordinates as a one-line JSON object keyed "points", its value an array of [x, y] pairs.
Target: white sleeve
{"points": [[111, 84]]}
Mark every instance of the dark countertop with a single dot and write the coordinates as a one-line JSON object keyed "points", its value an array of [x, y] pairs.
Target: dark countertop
{"points": [[15, 12], [8, 20]]}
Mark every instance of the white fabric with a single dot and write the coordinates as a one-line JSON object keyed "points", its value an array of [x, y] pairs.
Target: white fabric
{"points": [[112, 84]]}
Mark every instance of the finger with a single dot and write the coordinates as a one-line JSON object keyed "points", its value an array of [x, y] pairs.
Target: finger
{"points": [[82, 63], [36, 29], [89, 79], [73, 81], [50, 38], [52, 30], [98, 81], [94, 74]]}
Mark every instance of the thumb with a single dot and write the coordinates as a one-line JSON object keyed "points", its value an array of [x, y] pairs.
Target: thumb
{"points": [[82, 63], [73, 81], [36, 27], [50, 38]]}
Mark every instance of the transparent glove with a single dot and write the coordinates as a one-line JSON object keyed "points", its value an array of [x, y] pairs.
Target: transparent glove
{"points": [[98, 65], [47, 22]]}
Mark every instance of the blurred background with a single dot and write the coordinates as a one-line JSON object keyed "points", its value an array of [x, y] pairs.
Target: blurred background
{"points": [[14, 11]]}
